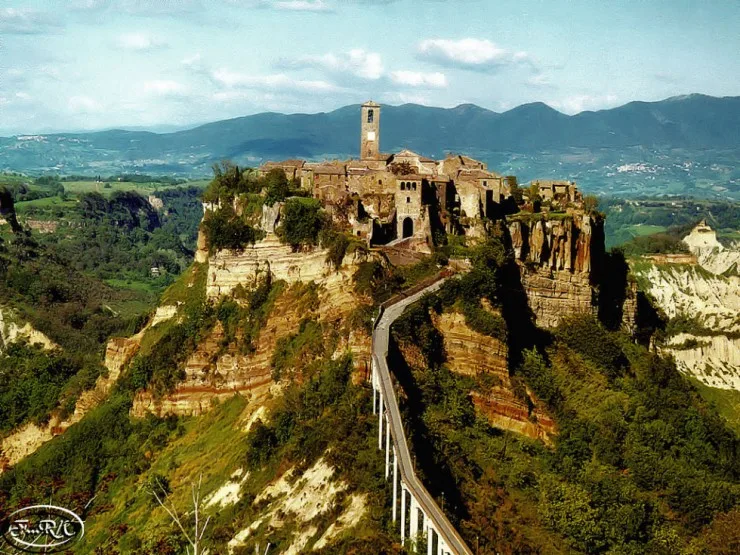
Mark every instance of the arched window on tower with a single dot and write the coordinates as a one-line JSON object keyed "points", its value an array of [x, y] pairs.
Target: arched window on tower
{"points": [[370, 116], [403, 185], [413, 186]]}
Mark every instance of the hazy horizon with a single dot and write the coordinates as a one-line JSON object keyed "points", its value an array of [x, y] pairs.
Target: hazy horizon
{"points": [[88, 65]]}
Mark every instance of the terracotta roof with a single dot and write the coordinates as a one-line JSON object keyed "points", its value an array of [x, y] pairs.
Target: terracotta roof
{"points": [[406, 153], [284, 163], [330, 170], [475, 174]]}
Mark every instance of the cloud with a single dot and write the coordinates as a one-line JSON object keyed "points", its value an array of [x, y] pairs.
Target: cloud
{"points": [[140, 42], [24, 21], [539, 80], [418, 79], [279, 82], [470, 53], [356, 62], [302, 5], [582, 102], [84, 105], [194, 61], [144, 8], [165, 88]]}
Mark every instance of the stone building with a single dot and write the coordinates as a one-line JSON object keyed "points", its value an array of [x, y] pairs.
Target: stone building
{"points": [[406, 195]]}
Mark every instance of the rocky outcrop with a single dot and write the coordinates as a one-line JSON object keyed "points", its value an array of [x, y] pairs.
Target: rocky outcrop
{"points": [[689, 290], [713, 360], [215, 372], [712, 255], [558, 261], [7, 210], [474, 354], [27, 439], [227, 269], [11, 331]]}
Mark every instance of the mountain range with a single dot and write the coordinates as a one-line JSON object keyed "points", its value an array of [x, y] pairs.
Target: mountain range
{"points": [[693, 122]]}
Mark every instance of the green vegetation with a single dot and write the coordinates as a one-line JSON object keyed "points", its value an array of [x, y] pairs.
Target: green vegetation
{"points": [[726, 402], [657, 243], [31, 382], [628, 219], [641, 463], [225, 230], [57, 283], [301, 222]]}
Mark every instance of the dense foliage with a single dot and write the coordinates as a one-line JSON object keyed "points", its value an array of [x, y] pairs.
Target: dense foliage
{"points": [[31, 382], [640, 462], [225, 230], [302, 221]]}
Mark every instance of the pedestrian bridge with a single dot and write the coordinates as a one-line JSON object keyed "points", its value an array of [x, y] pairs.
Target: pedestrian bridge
{"points": [[418, 515]]}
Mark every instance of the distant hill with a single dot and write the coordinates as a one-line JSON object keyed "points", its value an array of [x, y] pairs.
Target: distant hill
{"points": [[696, 122]]}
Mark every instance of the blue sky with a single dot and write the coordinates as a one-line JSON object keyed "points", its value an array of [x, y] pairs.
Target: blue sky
{"points": [[96, 64]]}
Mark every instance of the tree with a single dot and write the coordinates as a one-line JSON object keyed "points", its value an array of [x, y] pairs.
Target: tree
{"points": [[301, 222], [590, 203], [160, 491], [276, 186]]}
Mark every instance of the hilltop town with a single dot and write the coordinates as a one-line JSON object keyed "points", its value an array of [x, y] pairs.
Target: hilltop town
{"points": [[403, 199]]}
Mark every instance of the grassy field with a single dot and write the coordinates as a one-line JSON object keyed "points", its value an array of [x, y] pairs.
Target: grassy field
{"points": [[48, 202], [641, 230], [108, 187]]}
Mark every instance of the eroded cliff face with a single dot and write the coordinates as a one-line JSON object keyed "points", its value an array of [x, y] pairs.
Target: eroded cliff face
{"points": [[471, 353], [713, 303], [11, 331], [558, 261], [214, 373], [689, 290], [27, 439]]}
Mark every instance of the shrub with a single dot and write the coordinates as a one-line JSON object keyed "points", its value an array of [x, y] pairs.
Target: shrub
{"points": [[225, 230], [586, 336], [302, 221]]}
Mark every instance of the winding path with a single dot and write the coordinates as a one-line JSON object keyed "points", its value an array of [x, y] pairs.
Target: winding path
{"points": [[434, 520]]}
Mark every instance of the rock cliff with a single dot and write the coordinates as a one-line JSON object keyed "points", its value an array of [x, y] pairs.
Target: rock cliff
{"points": [[558, 261], [471, 353], [11, 331], [27, 439], [214, 373], [705, 296]]}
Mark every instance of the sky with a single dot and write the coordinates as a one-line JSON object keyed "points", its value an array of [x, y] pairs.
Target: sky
{"points": [[75, 65]]}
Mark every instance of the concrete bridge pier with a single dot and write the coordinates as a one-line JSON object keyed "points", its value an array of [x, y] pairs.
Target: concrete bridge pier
{"points": [[395, 482], [414, 520], [403, 514], [381, 414], [387, 449]]}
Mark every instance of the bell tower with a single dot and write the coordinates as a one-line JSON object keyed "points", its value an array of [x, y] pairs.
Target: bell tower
{"points": [[370, 131]]}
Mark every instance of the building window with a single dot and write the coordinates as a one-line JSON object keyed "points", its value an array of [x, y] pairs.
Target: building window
{"points": [[408, 199], [380, 181], [403, 185], [485, 183], [370, 116], [413, 186]]}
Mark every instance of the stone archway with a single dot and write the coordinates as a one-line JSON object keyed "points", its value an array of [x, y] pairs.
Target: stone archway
{"points": [[408, 227]]}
